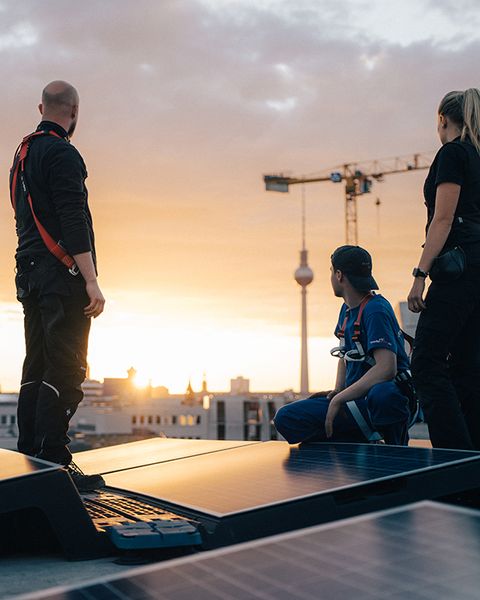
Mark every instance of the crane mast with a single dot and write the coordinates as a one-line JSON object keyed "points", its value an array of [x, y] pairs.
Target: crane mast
{"points": [[358, 178]]}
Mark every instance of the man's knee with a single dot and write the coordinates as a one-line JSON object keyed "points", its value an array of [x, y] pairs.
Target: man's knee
{"points": [[387, 404], [291, 424], [65, 380], [282, 419]]}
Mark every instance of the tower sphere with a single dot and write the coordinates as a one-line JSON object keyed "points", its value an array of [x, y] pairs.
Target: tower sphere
{"points": [[304, 275]]}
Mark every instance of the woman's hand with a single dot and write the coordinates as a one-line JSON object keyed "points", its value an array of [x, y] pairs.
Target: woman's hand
{"points": [[415, 298]]}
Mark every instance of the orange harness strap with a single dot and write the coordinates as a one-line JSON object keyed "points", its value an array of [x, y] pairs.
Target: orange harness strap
{"points": [[356, 325], [18, 170]]}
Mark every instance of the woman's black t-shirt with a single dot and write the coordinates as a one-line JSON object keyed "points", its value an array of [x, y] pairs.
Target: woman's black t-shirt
{"points": [[458, 162]]}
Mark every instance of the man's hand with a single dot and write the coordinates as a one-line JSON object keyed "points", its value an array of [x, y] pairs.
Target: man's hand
{"points": [[84, 262], [97, 301], [415, 298], [333, 410]]}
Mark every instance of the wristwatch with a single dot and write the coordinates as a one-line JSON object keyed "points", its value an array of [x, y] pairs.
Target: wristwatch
{"points": [[419, 273]]}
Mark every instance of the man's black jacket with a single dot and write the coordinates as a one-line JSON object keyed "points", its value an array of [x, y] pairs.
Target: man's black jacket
{"points": [[55, 175]]}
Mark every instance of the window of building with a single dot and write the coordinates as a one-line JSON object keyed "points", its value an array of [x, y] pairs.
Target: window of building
{"points": [[3, 420], [190, 420], [199, 419], [220, 420], [182, 420], [13, 419], [174, 419], [134, 420], [252, 421], [142, 419], [158, 420], [87, 427], [150, 419]]}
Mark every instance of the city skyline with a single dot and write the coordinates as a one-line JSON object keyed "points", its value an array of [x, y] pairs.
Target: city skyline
{"points": [[189, 104]]}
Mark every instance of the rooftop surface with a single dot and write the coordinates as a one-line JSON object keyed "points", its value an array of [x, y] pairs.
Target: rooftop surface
{"points": [[28, 573]]}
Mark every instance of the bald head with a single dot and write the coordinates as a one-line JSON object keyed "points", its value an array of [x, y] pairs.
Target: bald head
{"points": [[59, 96], [60, 104]]}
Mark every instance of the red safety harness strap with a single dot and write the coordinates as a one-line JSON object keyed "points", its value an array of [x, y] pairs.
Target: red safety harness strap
{"points": [[356, 325], [409, 339], [19, 171]]}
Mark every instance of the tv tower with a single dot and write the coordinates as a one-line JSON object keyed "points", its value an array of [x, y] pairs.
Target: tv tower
{"points": [[304, 276]]}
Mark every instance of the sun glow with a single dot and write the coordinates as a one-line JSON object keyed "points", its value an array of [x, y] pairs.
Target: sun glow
{"points": [[171, 350], [142, 381]]}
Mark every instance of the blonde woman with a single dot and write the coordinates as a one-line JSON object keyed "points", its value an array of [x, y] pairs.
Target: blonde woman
{"points": [[446, 356]]}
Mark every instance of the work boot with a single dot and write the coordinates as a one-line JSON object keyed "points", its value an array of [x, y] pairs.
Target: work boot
{"points": [[83, 482]]}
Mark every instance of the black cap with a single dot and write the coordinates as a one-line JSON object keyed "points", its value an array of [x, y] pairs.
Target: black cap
{"points": [[356, 263]]}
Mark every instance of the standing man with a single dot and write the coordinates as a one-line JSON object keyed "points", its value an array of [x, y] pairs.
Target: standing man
{"points": [[367, 403], [56, 279]]}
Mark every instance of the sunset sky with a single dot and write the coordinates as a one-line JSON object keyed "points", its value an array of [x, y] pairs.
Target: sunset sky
{"points": [[185, 104]]}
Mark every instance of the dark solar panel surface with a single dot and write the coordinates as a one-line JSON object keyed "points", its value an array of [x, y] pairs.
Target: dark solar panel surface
{"points": [[249, 477], [147, 452], [14, 464], [422, 552]]}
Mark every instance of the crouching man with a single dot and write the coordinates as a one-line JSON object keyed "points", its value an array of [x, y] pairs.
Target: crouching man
{"points": [[367, 403]]}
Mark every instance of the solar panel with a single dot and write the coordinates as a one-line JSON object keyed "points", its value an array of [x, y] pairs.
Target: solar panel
{"points": [[14, 464], [147, 452], [424, 551], [260, 475]]}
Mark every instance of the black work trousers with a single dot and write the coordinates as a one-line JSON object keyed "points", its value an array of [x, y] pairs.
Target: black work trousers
{"points": [[56, 339], [446, 362]]}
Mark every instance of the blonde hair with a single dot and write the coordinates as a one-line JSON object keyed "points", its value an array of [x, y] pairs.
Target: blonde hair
{"points": [[463, 108]]}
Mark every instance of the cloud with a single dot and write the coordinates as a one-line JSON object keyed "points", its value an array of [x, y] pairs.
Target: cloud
{"points": [[184, 105], [19, 36], [282, 105]]}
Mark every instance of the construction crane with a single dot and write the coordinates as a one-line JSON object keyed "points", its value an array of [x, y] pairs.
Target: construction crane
{"points": [[358, 179]]}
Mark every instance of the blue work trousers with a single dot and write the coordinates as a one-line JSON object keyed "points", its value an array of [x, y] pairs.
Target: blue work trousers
{"points": [[384, 408]]}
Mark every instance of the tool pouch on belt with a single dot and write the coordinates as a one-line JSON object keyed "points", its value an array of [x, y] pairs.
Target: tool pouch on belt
{"points": [[449, 266]]}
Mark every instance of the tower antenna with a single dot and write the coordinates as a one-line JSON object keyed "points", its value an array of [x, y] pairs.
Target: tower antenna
{"points": [[304, 276], [303, 216]]}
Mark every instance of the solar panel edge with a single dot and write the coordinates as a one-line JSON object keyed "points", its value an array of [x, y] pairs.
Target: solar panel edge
{"points": [[80, 456], [170, 460], [16, 465]]}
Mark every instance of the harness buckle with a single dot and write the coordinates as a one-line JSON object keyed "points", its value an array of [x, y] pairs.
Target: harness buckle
{"points": [[74, 270]]}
